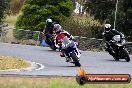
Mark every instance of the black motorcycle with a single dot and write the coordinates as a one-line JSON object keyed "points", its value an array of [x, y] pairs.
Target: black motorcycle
{"points": [[51, 42], [118, 48]]}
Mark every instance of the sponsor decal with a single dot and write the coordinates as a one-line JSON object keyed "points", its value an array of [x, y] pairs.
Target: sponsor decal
{"points": [[83, 78]]}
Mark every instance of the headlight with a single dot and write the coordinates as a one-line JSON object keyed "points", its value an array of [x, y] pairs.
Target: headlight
{"points": [[123, 41], [119, 44]]}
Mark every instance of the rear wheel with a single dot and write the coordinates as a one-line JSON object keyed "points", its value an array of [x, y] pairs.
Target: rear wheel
{"points": [[52, 44], [75, 59], [53, 47]]}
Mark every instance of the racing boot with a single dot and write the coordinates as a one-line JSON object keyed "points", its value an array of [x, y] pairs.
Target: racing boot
{"points": [[62, 54]]}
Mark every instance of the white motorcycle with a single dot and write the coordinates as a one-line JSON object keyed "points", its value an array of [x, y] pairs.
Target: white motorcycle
{"points": [[71, 51]]}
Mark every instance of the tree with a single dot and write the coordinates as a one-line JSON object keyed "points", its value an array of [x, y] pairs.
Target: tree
{"points": [[35, 12], [101, 9], [127, 10], [104, 11], [124, 17], [15, 6], [3, 8]]}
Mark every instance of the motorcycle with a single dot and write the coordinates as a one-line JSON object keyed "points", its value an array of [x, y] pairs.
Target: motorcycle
{"points": [[51, 41], [118, 48], [71, 52]]}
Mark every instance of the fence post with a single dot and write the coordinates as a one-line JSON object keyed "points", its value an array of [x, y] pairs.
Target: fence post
{"points": [[38, 37]]}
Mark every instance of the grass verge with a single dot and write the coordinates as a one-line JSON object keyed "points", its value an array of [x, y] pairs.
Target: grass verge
{"points": [[51, 82], [7, 62]]}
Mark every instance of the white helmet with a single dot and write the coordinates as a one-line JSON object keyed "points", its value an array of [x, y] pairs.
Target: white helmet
{"points": [[57, 28], [49, 21], [107, 27]]}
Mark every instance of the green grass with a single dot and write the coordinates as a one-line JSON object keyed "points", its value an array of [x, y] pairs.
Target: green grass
{"points": [[54, 82]]}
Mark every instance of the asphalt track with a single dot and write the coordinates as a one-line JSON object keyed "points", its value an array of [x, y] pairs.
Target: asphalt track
{"points": [[92, 62]]}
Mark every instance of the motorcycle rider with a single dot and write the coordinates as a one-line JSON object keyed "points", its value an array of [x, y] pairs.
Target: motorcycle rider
{"points": [[62, 37], [108, 34], [48, 29]]}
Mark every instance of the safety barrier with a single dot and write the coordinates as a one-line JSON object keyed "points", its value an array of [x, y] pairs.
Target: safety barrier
{"points": [[84, 42], [96, 44]]}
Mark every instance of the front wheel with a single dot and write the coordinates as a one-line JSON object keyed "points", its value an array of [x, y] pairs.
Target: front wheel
{"points": [[75, 59], [81, 80], [127, 58], [126, 55]]}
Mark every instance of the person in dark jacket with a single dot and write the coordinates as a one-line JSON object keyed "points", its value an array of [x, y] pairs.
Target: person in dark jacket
{"points": [[108, 35], [48, 29]]}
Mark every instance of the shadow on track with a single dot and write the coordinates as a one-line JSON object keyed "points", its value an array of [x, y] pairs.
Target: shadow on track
{"points": [[116, 61], [49, 50], [67, 66], [52, 50]]}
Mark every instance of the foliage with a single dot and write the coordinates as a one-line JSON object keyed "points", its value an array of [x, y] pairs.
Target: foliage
{"points": [[101, 9], [18, 34], [83, 26], [15, 6], [35, 12], [22, 34], [3, 9], [104, 10]]}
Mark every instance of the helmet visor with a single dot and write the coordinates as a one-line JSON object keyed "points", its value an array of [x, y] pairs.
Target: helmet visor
{"points": [[49, 23], [107, 29]]}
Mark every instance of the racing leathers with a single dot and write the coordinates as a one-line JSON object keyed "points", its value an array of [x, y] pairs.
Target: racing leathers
{"points": [[64, 39], [48, 31], [108, 36]]}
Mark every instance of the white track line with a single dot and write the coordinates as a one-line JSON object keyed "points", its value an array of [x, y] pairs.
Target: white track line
{"points": [[41, 66]]}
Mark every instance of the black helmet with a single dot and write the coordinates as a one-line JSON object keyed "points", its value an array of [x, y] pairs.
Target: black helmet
{"points": [[49, 21], [107, 27]]}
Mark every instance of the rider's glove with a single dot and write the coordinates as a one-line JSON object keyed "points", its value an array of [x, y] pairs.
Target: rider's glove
{"points": [[60, 48]]}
